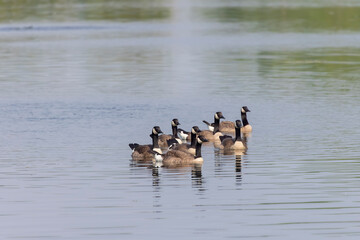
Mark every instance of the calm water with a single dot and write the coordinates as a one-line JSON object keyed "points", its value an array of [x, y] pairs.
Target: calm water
{"points": [[78, 82]]}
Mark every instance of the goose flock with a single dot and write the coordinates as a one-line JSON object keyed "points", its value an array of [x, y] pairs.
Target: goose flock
{"points": [[172, 150]]}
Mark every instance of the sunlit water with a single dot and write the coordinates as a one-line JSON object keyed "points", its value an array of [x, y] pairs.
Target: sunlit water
{"points": [[76, 87]]}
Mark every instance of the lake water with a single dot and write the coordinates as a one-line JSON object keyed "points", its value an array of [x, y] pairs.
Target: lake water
{"points": [[79, 81]]}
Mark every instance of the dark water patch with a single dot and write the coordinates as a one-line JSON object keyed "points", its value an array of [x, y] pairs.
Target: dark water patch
{"points": [[58, 11], [288, 19]]}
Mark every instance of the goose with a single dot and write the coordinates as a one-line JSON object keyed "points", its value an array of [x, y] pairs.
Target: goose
{"points": [[224, 126], [247, 128], [229, 127], [228, 143], [163, 138], [190, 148], [146, 152], [213, 136], [177, 158]]}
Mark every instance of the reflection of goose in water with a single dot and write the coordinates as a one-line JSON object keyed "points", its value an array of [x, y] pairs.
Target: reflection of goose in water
{"points": [[224, 162], [146, 152], [177, 158], [196, 175], [238, 174], [155, 174]]}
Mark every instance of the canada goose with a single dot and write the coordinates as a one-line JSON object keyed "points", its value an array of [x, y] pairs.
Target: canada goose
{"points": [[229, 127], [224, 126], [145, 152], [177, 158], [190, 148], [213, 136], [163, 138], [247, 127], [228, 143]]}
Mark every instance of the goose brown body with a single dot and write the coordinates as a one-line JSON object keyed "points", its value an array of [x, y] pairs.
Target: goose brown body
{"points": [[227, 126], [142, 152], [163, 140], [177, 158], [211, 136], [232, 144], [229, 143], [246, 129]]}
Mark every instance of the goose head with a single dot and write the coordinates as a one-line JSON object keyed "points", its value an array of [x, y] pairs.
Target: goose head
{"points": [[156, 130], [195, 129], [175, 122], [245, 109], [219, 115], [238, 124], [201, 139]]}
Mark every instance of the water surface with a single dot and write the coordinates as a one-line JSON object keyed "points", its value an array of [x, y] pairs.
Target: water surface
{"points": [[79, 81]]}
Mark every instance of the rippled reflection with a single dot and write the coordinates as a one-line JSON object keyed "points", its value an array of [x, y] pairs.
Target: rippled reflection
{"points": [[196, 176], [238, 174]]}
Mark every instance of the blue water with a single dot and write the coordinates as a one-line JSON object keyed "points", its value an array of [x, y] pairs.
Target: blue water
{"points": [[74, 93]]}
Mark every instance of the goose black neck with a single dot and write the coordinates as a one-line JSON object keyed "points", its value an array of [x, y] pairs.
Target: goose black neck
{"points": [[216, 121], [216, 129], [244, 119], [155, 142], [198, 150], [193, 140], [174, 131], [216, 125], [237, 134]]}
